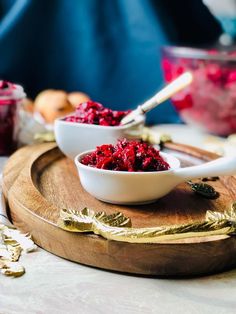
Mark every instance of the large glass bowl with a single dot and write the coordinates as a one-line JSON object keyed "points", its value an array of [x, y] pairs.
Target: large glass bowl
{"points": [[210, 101]]}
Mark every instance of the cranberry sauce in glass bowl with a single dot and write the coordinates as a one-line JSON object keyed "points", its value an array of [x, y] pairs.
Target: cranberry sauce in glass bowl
{"points": [[210, 101], [10, 97]]}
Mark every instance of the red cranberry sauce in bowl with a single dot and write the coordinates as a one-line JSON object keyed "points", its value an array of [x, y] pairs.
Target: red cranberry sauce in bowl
{"points": [[92, 112], [131, 156]]}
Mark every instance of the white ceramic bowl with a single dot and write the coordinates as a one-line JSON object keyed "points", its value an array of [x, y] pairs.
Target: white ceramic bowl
{"points": [[122, 187], [127, 188], [74, 138]]}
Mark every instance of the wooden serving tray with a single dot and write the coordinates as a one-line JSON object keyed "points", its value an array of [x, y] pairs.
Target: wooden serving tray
{"points": [[39, 180]]}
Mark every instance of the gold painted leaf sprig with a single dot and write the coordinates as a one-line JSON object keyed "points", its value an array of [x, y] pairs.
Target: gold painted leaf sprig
{"points": [[12, 245], [117, 227]]}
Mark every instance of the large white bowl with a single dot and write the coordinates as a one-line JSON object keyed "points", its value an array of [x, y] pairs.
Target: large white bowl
{"points": [[74, 138]]}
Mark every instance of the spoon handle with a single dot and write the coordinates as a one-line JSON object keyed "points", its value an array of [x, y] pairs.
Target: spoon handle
{"points": [[219, 167], [181, 82]]}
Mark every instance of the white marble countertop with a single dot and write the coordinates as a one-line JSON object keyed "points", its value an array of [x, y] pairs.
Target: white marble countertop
{"points": [[54, 285]]}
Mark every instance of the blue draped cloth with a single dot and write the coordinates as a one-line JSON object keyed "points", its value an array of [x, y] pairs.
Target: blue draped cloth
{"points": [[109, 49]]}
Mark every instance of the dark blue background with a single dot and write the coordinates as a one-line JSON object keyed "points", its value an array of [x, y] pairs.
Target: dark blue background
{"points": [[109, 49]]}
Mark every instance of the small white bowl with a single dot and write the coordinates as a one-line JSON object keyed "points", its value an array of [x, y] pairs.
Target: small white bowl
{"points": [[130, 188], [74, 138], [123, 187]]}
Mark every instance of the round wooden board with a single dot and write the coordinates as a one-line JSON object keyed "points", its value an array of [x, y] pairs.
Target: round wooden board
{"points": [[39, 180]]}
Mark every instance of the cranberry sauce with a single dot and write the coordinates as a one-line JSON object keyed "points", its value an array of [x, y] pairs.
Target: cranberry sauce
{"points": [[91, 112], [126, 156], [8, 117]]}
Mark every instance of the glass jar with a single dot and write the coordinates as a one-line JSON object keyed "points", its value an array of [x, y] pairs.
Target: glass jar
{"points": [[11, 96]]}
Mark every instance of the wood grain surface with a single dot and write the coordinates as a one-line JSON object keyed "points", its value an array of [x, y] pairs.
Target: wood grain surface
{"points": [[39, 180]]}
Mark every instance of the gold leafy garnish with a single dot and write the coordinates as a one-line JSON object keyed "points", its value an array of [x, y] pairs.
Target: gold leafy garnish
{"points": [[12, 244], [155, 137], [44, 137], [228, 215], [117, 227], [13, 269], [83, 221]]}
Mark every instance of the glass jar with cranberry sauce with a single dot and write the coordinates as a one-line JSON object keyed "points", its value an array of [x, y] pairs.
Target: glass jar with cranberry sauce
{"points": [[11, 96]]}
